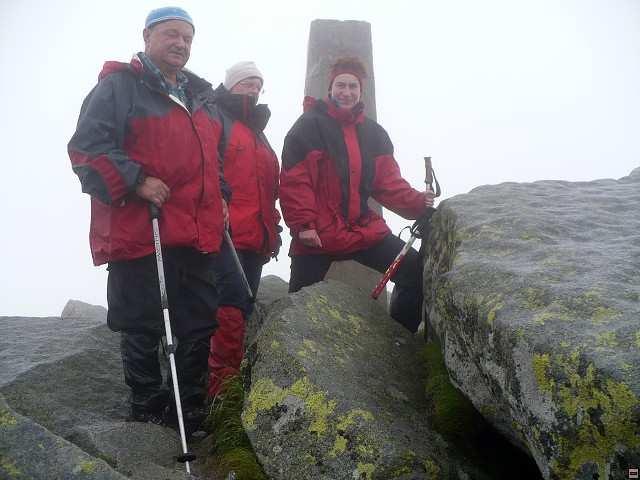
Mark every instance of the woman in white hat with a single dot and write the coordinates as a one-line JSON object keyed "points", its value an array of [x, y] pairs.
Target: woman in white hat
{"points": [[251, 169]]}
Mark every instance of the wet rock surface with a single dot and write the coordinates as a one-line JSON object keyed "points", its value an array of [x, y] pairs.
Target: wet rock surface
{"points": [[64, 402], [534, 292], [337, 392]]}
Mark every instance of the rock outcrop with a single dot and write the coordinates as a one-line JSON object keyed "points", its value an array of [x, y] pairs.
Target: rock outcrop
{"points": [[63, 403], [534, 292], [337, 392]]}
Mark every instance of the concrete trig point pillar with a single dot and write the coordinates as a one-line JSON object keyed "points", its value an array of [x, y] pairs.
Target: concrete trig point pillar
{"points": [[328, 41]]}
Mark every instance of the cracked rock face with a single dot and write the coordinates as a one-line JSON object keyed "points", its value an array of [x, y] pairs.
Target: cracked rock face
{"points": [[336, 393], [534, 291]]}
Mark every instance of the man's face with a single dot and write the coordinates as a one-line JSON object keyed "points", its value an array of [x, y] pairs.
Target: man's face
{"points": [[249, 86], [168, 44], [345, 90]]}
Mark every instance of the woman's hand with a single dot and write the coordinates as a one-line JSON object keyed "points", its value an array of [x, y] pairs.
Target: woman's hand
{"points": [[310, 238]]}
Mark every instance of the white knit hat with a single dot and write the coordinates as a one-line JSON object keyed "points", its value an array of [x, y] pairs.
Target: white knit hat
{"points": [[239, 72]]}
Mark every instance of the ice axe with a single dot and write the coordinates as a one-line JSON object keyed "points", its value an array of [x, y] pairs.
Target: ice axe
{"points": [[417, 230], [186, 456]]}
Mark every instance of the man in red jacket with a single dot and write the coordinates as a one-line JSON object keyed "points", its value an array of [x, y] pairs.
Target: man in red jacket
{"points": [[144, 136], [251, 169], [334, 158]]}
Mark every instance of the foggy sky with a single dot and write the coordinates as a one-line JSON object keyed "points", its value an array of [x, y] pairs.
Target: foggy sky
{"points": [[494, 91]]}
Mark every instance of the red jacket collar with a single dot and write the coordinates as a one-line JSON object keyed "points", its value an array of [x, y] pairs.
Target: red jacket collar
{"points": [[346, 117], [110, 67]]}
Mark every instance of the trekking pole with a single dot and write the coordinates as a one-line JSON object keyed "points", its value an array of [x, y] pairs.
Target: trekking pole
{"points": [[186, 456], [416, 230], [227, 237]]}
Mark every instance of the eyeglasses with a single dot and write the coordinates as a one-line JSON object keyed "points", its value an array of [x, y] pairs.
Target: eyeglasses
{"points": [[251, 84]]}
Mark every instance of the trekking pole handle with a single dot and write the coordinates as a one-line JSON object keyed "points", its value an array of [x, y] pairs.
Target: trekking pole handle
{"points": [[430, 177], [428, 173], [154, 212]]}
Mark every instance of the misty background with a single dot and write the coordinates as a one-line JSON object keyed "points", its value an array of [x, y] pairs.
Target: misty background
{"points": [[494, 91]]}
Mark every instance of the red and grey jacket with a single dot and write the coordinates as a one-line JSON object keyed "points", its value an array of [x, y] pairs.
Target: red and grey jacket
{"points": [[251, 169], [333, 160], [128, 127]]}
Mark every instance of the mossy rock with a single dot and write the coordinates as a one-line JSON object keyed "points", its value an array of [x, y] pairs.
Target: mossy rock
{"points": [[533, 291], [337, 392]]}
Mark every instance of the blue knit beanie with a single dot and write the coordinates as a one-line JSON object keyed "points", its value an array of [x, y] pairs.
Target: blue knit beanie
{"points": [[168, 13]]}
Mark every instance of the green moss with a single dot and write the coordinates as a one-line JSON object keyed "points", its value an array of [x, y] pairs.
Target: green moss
{"points": [[365, 471], [541, 370], [9, 467], [452, 413], [242, 462], [275, 345], [432, 469], [7, 419], [309, 459], [638, 339], [229, 448], [339, 446], [88, 467]]}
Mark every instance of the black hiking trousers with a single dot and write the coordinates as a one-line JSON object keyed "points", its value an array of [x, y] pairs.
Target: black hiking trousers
{"points": [[406, 304], [133, 297], [231, 287]]}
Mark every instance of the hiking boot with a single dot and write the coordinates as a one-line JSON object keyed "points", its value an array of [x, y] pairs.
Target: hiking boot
{"points": [[193, 418]]}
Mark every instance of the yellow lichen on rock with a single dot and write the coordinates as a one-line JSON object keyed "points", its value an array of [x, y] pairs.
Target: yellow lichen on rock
{"points": [[264, 395], [316, 403], [579, 396], [7, 419], [9, 467], [365, 471], [541, 370], [339, 446]]}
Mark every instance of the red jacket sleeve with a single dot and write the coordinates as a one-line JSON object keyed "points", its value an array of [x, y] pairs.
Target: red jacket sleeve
{"points": [[394, 192], [97, 157]]}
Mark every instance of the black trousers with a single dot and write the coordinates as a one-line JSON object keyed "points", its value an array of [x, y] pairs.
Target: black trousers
{"points": [[135, 311], [407, 298], [231, 287]]}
